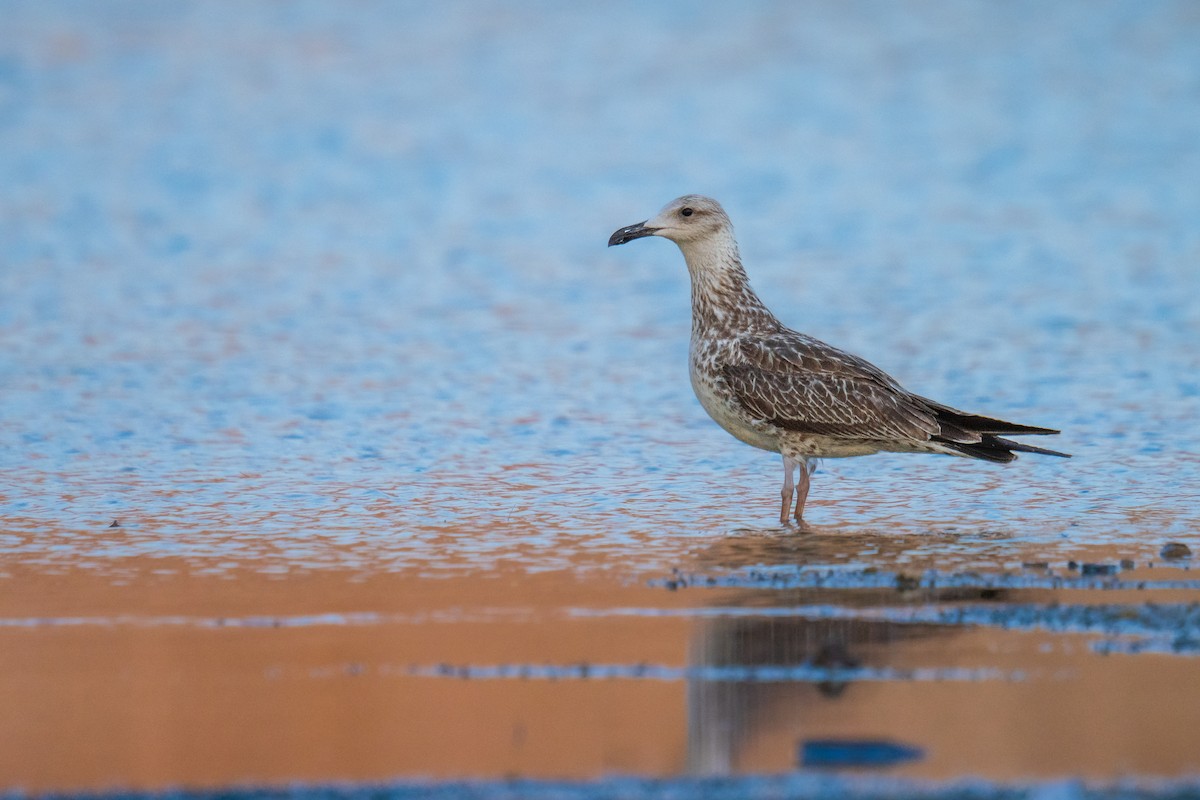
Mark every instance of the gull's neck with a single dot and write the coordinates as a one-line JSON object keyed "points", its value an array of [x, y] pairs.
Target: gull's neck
{"points": [[723, 304]]}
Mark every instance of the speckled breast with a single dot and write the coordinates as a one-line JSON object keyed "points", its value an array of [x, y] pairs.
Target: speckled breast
{"points": [[716, 398]]}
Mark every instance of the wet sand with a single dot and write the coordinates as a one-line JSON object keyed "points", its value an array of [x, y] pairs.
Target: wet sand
{"points": [[173, 679]]}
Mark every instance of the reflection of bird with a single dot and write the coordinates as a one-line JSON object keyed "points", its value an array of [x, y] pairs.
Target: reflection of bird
{"points": [[847, 626], [780, 390], [729, 720]]}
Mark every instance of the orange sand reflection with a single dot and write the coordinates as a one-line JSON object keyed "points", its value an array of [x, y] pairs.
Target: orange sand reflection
{"points": [[168, 678]]}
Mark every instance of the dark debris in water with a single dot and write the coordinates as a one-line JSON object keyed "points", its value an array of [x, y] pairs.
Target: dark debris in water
{"points": [[1174, 551], [1091, 576]]}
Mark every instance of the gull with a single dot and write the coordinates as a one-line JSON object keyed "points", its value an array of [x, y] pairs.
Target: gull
{"points": [[789, 393]]}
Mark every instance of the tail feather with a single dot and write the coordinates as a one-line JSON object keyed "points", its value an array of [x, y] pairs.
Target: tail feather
{"points": [[997, 449], [980, 424], [990, 446], [1025, 448]]}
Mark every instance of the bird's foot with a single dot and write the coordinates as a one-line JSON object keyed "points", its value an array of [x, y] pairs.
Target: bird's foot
{"points": [[796, 526]]}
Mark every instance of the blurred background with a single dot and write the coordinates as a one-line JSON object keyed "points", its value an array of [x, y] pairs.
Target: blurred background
{"points": [[297, 289]]}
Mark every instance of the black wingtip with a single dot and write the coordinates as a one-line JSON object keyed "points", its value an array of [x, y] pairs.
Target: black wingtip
{"points": [[980, 423], [1026, 448], [998, 449]]}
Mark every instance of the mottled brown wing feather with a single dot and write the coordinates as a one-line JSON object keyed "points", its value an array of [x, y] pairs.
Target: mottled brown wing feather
{"points": [[788, 351], [801, 384]]}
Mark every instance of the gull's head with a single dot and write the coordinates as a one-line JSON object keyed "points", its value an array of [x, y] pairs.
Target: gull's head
{"points": [[688, 220]]}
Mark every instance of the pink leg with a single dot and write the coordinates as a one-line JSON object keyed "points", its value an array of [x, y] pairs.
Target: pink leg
{"points": [[789, 467], [802, 490]]}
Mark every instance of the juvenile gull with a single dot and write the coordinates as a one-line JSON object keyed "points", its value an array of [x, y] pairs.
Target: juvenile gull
{"points": [[789, 393]]}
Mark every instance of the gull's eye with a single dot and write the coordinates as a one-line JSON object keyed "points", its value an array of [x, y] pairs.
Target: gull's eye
{"points": [[687, 212]]}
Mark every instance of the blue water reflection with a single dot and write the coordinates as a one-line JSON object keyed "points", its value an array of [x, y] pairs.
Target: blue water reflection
{"points": [[311, 286]]}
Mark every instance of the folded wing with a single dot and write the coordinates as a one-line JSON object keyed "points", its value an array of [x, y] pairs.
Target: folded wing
{"points": [[801, 384]]}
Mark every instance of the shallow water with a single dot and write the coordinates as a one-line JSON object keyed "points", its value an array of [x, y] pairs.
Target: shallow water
{"points": [[407, 479]]}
